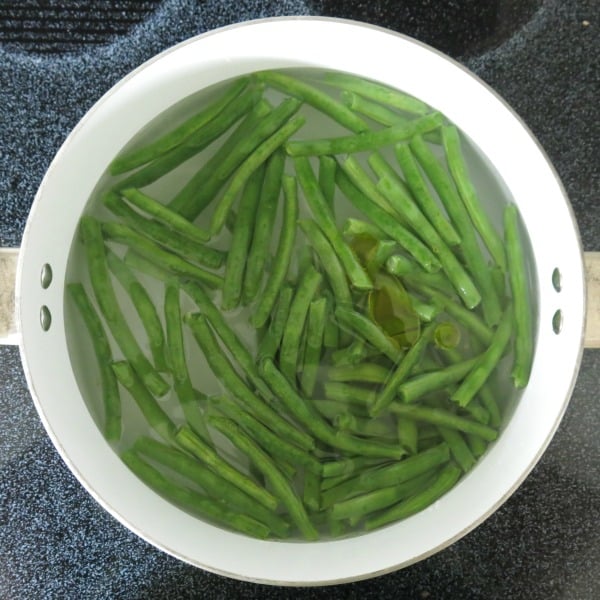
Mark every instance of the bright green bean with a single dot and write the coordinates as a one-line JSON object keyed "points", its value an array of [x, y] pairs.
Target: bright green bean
{"points": [[148, 249], [392, 228], [91, 231], [444, 482], [481, 221], [263, 226], [144, 307], [203, 187], [283, 255], [168, 141], [156, 417], [329, 261], [222, 368], [241, 240], [362, 373], [477, 446], [522, 307], [458, 448], [254, 160], [365, 427], [324, 218], [352, 394], [111, 399], [317, 313], [355, 227], [327, 168], [271, 472], [367, 140]]}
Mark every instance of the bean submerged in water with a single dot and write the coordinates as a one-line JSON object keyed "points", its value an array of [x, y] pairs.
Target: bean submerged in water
{"points": [[354, 365]]}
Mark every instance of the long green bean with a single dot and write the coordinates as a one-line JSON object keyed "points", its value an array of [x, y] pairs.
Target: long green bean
{"points": [[271, 341], [327, 167], [458, 448], [362, 372], [317, 313]]}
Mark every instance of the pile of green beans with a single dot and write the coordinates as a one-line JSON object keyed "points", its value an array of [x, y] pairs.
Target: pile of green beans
{"points": [[348, 297]]}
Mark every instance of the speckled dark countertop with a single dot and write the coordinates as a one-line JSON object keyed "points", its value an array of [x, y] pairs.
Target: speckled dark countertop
{"points": [[56, 58]]}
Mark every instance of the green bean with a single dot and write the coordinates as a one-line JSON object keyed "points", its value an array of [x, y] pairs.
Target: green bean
{"points": [[203, 187], [331, 335], [374, 111], [324, 218], [444, 482], [165, 215], [156, 417], [194, 144], [315, 97], [366, 140], [404, 470], [368, 330], [269, 469], [269, 344], [282, 256], [415, 388], [290, 342], [347, 466], [363, 372], [330, 409], [404, 267], [189, 441], [241, 240], [213, 485], [376, 91], [263, 226], [408, 435], [522, 311], [365, 427], [384, 250], [468, 319], [222, 368], [168, 141], [209, 257], [181, 378], [254, 160], [457, 275], [193, 501], [477, 446], [489, 402], [352, 394], [329, 261], [327, 167], [232, 342], [392, 228], [360, 506], [124, 234], [487, 362], [315, 327], [272, 443], [355, 227], [111, 400], [401, 372], [312, 491], [143, 306], [418, 187], [143, 265], [480, 219], [473, 256], [310, 418], [458, 448], [91, 231], [437, 416]]}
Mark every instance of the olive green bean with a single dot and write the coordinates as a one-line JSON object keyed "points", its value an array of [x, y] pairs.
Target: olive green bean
{"points": [[282, 488], [189, 441], [290, 342], [317, 313], [324, 219], [258, 156], [327, 167], [330, 409], [144, 307], [365, 427], [312, 491], [352, 394], [392, 228], [347, 466], [445, 481], [139, 156], [91, 231], [241, 240], [156, 417], [124, 234], [263, 226], [355, 227], [366, 140], [111, 400], [363, 373], [283, 255], [222, 368], [487, 362], [203, 187], [466, 190], [269, 344], [408, 435], [522, 306]]}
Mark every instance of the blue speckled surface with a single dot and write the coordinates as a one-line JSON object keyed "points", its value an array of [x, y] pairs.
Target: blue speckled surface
{"points": [[544, 542]]}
